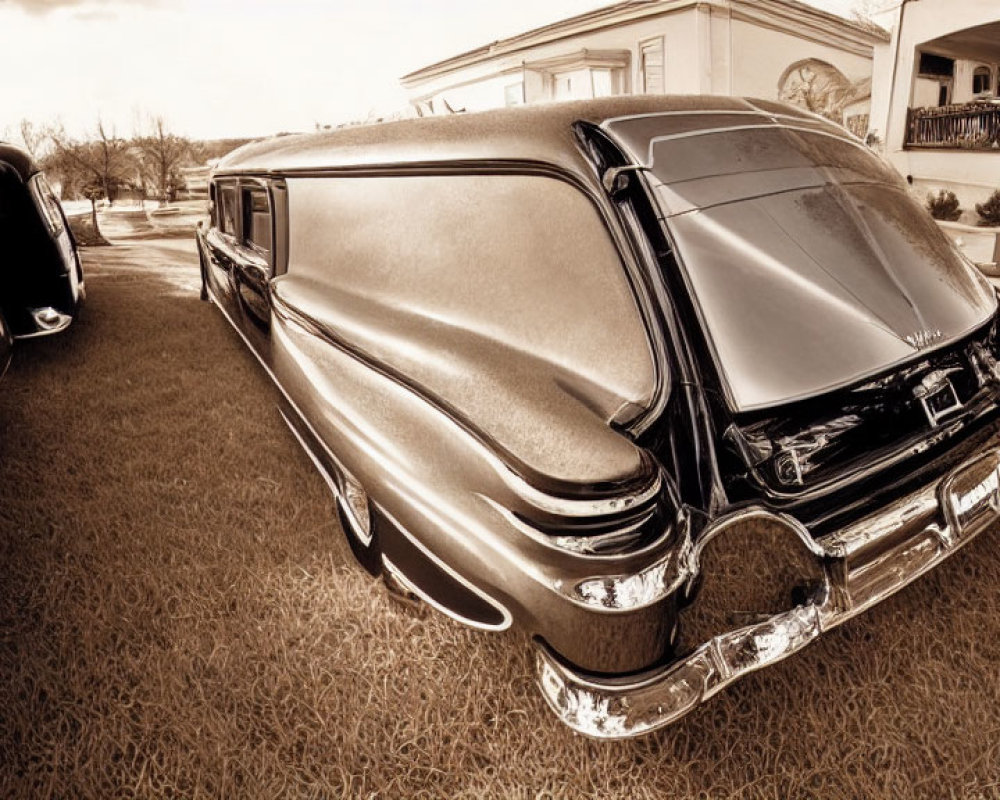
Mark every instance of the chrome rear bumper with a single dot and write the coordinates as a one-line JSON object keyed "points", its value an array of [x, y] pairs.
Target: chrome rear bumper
{"points": [[861, 565], [47, 321]]}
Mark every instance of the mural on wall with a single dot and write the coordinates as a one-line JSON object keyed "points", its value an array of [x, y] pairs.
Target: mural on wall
{"points": [[819, 87]]}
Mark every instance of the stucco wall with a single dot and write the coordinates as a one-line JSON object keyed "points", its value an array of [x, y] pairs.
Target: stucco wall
{"points": [[761, 55], [971, 175], [964, 71], [881, 66], [925, 92], [922, 22]]}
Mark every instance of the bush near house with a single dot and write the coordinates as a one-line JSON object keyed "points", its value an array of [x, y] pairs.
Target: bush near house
{"points": [[989, 212], [944, 206]]}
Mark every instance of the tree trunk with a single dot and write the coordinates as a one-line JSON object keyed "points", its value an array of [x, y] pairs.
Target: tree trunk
{"points": [[93, 217]]}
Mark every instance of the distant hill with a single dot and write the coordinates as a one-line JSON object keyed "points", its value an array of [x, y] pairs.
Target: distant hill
{"points": [[212, 149]]}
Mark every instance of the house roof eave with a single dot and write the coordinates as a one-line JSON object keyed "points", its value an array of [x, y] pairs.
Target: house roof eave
{"points": [[855, 34]]}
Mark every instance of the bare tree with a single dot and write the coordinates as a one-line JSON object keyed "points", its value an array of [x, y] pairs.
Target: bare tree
{"points": [[162, 153], [104, 160], [93, 168], [32, 137]]}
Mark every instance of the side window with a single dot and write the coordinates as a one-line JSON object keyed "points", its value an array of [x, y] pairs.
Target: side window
{"points": [[256, 219], [213, 206], [651, 66], [227, 208], [982, 80]]}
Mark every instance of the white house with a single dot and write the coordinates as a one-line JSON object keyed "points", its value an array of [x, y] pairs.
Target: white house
{"points": [[934, 101], [762, 48]]}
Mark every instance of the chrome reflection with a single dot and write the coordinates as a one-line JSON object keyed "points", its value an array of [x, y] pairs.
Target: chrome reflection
{"points": [[581, 507], [862, 566], [629, 539], [354, 501], [47, 321], [608, 711], [636, 590]]}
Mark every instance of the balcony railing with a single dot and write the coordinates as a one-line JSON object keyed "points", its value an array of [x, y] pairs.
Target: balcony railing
{"points": [[975, 126]]}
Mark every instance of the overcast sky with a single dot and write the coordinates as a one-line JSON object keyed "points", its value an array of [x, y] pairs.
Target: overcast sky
{"points": [[216, 68]]}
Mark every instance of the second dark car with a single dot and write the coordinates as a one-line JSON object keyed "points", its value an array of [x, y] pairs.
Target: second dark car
{"points": [[41, 278]]}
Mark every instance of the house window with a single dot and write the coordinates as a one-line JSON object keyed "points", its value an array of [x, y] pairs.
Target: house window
{"points": [[602, 83], [256, 219], [938, 66], [982, 81], [651, 66], [563, 86], [513, 95]]}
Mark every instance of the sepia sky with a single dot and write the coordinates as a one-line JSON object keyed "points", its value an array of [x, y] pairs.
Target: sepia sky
{"points": [[218, 68]]}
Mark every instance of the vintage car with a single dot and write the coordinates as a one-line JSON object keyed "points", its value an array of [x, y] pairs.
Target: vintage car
{"points": [[675, 384], [41, 280]]}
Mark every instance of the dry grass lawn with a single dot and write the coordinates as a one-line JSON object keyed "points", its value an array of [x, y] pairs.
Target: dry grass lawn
{"points": [[179, 617]]}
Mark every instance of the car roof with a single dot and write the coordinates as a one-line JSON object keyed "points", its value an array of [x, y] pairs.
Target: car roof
{"points": [[17, 158], [539, 133]]}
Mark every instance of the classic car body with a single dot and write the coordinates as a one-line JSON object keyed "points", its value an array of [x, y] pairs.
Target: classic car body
{"points": [[41, 279], [676, 384]]}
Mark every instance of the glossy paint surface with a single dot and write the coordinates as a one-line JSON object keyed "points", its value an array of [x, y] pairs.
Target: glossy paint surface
{"points": [[810, 265], [466, 317], [499, 297]]}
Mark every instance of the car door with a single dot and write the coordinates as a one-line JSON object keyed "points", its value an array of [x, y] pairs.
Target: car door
{"points": [[221, 242], [253, 265]]}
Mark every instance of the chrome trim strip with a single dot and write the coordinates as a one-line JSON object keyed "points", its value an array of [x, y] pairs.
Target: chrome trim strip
{"points": [[757, 112], [267, 369], [364, 539], [410, 586], [551, 542], [298, 413], [504, 612]]}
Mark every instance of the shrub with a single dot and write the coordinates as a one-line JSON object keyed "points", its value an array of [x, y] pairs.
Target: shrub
{"points": [[944, 206], [989, 212]]}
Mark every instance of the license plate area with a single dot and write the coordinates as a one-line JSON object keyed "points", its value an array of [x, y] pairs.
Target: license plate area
{"points": [[972, 495]]}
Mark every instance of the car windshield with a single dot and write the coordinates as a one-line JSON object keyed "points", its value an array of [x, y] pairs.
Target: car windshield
{"points": [[809, 264]]}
